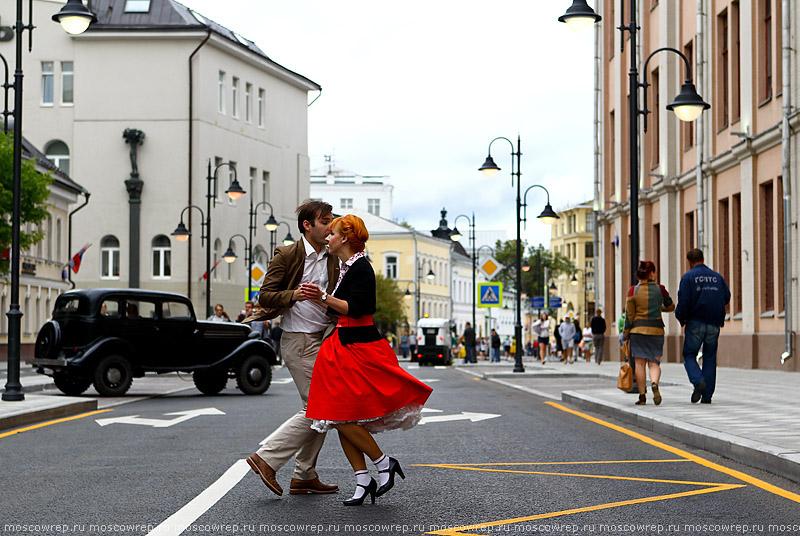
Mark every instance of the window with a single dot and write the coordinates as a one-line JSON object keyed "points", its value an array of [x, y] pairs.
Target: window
{"points": [[261, 108], [768, 247], [346, 202], [221, 93], [49, 237], [162, 258], [109, 257], [390, 267], [765, 65], [723, 244], [48, 82], [374, 206], [588, 249], [589, 222], [59, 258], [652, 129], [689, 218], [110, 308], [58, 153], [235, 97], [722, 70], [231, 176], [736, 84], [67, 80], [140, 309], [217, 253], [737, 251], [175, 310], [248, 104], [265, 188], [137, 6]]}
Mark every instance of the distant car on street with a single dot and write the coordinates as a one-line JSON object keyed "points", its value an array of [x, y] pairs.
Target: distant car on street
{"points": [[433, 342], [107, 337]]}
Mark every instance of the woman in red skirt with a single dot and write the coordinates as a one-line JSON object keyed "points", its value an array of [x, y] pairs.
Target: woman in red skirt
{"points": [[357, 386]]}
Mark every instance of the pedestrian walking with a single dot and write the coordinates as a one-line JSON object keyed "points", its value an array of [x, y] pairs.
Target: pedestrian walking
{"points": [[404, 345], [567, 332], [495, 343], [507, 346], [587, 342], [559, 342], [543, 337], [702, 298], [644, 328], [358, 387], [468, 339], [303, 324], [598, 335]]}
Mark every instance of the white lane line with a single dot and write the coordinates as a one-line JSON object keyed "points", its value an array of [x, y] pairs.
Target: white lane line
{"points": [[180, 520]]}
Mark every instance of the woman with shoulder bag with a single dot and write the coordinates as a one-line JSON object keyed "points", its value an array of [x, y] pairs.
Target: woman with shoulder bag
{"points": [[644, 328]]}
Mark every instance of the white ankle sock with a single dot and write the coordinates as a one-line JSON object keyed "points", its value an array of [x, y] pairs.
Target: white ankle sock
{"points": [[382, 464], [362, 478]]}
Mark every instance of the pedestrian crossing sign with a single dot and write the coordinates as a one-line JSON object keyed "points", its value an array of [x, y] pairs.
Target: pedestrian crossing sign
{"points": [[490, 294]]}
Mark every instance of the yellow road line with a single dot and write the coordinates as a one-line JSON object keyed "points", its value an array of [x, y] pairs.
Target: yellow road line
{"points": [[48, 423], [697, 459], [553, 463], [459, 531], [579, 475]]}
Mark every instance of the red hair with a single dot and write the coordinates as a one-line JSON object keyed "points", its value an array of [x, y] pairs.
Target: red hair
{"points": [[352, 227], [645, 269]]}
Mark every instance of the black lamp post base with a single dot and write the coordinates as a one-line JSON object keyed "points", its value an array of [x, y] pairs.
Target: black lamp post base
{"points": [[13, 394]]}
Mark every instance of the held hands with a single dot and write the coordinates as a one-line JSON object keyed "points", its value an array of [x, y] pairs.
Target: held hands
{"points": [[309, 291]]}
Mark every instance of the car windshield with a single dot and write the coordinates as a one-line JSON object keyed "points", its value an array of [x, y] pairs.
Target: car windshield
{"points": [[71, 304]]}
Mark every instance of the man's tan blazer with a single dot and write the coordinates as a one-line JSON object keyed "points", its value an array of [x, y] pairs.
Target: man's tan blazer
{"points": [[283, 277]]}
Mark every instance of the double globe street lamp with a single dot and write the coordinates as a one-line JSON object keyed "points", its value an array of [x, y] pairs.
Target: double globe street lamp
{"points": [[74, 18], [548, 216], [182, 234]]}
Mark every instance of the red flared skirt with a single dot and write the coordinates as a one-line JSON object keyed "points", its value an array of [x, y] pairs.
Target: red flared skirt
{"points": [[361, 382]]}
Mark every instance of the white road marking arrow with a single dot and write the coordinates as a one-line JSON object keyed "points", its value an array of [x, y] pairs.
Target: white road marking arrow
{"points": [[283, 380], [474, 417], [160, 423]]}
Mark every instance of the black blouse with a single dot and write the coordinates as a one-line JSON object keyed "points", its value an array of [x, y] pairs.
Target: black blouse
{"points": [[358, 290]]}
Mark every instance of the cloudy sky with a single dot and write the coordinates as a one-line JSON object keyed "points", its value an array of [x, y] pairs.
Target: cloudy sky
{"points": [[417, 89]]}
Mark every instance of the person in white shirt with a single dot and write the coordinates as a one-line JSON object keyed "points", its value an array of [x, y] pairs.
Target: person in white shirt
{"points": [[567, 332], [542, 329], [303, 324]]}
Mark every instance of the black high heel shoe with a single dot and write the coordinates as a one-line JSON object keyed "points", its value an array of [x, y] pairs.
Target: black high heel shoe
{"points": [[369, 489], [394, 467]]}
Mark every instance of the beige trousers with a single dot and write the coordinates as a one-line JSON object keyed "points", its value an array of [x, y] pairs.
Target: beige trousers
{"points": [[295, 436]]}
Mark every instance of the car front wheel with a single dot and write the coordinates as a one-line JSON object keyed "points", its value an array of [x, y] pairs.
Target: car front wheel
{"points": [[71, 385], [113, 376], [210, 382], [254, 375]]}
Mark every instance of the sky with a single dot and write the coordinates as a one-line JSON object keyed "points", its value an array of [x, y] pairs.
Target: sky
{"points": [[417, 90]]}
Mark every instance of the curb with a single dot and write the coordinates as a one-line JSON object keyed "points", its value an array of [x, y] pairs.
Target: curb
{"points": [[776, 460], [54, 410]]}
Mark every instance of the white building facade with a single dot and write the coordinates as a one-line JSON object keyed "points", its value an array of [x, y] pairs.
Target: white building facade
{"points": [[199, 94], [346, 190]]}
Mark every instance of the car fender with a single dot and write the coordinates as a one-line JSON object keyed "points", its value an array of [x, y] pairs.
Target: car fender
{"points": [[248, 347], [101, 348]]}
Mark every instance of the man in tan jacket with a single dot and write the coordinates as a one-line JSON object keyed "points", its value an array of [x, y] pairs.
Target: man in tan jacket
{"points": [[303, 323]]}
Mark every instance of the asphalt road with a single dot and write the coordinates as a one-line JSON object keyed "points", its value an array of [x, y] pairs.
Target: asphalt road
{"points": [[530, 466]]}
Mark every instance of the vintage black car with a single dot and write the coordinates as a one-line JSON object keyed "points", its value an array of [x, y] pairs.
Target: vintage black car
{"points": [[107, 337]]}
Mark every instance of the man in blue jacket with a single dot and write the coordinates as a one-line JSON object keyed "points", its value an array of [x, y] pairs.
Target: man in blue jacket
{"points": [[702, 298]]}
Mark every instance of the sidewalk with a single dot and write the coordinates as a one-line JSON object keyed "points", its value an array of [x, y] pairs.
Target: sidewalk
{"points": [[754, 417]]}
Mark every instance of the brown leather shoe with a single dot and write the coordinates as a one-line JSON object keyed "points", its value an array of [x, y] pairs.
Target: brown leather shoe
{"points": [[299, 487], [266, 473]]}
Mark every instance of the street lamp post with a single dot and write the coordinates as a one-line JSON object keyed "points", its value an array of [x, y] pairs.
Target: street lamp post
{"points": [[688, 105], [574, 281], [429, 276], [548, 216], [182, 234], [230, 256], [75, 19], [288, 240], [455, 236], [271, 225]]}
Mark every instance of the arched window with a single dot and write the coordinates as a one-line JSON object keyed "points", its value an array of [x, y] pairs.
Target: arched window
{"points": [[260, 256], [59, 258], [58, 153], [230, 264], [162, 258], [109, 257]]}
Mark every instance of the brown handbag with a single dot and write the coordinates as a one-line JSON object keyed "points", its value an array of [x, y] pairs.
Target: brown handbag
{"points": [[625, 380]]}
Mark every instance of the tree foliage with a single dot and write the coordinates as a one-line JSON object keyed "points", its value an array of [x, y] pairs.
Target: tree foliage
{"points": [[389, 311], [538, 258], [33, 199]]}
